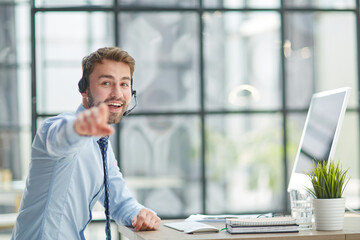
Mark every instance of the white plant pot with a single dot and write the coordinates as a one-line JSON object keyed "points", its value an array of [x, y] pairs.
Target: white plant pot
{"points": [[329, 213]]}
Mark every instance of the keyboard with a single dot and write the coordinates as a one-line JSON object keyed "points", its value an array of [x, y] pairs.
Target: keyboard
{"points": [[191, 227]]}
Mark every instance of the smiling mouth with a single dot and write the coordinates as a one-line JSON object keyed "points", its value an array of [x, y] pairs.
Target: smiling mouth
{"points": [[115, 106]]}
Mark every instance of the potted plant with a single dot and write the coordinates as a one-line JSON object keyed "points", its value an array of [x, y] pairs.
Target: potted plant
{"points": [[328, 182]]}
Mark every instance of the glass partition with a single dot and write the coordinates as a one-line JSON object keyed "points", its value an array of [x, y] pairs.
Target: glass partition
{"points": [[15, 102], [242, 60], [223, 89], [241, 4], [72, 3], [161, 162], [244, 163], [62, 40], [166, 49], [332, 4], [159, 3], [319, 55]]}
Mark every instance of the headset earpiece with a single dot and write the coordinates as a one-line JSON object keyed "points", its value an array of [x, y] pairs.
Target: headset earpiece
{"points": [[83, 83], [131, 84]]}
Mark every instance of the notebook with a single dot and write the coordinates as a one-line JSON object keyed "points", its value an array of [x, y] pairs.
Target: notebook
{"points": [[263, 221], [192, 227], [262, 225]]}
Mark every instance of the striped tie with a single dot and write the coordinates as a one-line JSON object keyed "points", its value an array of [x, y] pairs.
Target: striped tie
{"points": [[103, 143]]}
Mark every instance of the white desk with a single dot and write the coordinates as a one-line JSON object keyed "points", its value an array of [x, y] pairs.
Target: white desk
{"points": [[351, 231]]}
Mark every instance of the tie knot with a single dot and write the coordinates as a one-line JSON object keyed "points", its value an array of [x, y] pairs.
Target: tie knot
{"points": [[103, 142]]}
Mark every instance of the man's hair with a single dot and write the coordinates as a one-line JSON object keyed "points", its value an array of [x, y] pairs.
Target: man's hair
{"points": [[111, 53]]}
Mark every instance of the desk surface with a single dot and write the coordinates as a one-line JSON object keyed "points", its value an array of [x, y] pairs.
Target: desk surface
{"points": [[351, 231]]}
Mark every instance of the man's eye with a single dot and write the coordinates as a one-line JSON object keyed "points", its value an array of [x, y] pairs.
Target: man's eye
{"points": [[106, 83], [124, 84]]}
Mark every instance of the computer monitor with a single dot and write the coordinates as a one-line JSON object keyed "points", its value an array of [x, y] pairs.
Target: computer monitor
{"points": [[320, 134]]}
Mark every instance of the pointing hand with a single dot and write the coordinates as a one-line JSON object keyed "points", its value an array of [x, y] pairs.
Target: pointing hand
{"points": [[94, 122]]}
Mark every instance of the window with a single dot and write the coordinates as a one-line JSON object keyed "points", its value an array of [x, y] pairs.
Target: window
{"points": [[223, 88]]}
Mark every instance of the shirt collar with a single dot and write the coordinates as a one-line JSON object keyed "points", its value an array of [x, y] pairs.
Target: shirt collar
{"points": [[81, 108]]}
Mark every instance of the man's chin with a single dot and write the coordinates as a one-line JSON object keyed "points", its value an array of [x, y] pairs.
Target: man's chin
{"points": [[115, 117]]}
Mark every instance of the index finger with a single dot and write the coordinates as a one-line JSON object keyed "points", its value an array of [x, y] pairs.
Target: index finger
{"points": [[102, 120], [103, 113]]}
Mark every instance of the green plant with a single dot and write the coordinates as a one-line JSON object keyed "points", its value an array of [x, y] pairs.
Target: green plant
{"points": [[328, 180]]}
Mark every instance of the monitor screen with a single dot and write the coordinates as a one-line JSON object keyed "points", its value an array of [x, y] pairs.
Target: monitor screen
{"points": [[320, 133]]}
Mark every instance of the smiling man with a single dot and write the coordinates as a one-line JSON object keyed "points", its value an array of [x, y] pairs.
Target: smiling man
{"points": [[73, 166]]}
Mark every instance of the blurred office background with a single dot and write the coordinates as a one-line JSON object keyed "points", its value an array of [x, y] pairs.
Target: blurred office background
{"points": [[223, 89]]}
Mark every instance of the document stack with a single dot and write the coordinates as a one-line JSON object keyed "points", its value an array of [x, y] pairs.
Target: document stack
{"points": [[262, 225]]}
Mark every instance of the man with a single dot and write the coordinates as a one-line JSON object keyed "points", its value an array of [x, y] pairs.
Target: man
{"points": [[70, 169]]}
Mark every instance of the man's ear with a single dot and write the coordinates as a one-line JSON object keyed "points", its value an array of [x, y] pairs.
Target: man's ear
{"points": [[84, 97], [84, 94]]}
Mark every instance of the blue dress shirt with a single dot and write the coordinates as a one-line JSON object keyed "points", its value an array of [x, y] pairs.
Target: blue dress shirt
{"points": [[65, 181]]}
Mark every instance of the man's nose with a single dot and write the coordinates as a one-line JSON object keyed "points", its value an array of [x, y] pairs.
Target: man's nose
{"points": [[117, 91]]}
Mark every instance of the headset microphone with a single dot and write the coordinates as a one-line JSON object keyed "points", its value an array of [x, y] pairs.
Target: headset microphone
{"points": [[128, 111]]}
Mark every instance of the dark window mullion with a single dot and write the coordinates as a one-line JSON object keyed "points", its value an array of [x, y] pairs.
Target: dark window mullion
{"points": [[33, 72], [284, 105], [202, 108]]}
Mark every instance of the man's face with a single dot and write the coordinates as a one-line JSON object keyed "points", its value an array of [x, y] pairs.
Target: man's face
{"points": [[110, 82]]}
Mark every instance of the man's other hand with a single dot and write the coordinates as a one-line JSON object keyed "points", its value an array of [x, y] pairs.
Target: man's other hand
{"points": [[146, 220], [94, 122]]}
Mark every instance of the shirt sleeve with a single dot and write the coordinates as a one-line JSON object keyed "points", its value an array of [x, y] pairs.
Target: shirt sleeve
{"points": [[123, 206], [56, 137]]}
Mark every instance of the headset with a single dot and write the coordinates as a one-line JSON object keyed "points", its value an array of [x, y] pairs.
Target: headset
{"points": [[83, 84]]}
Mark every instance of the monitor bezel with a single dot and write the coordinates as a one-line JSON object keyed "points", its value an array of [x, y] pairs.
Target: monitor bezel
{"points": [[300, 180]]}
